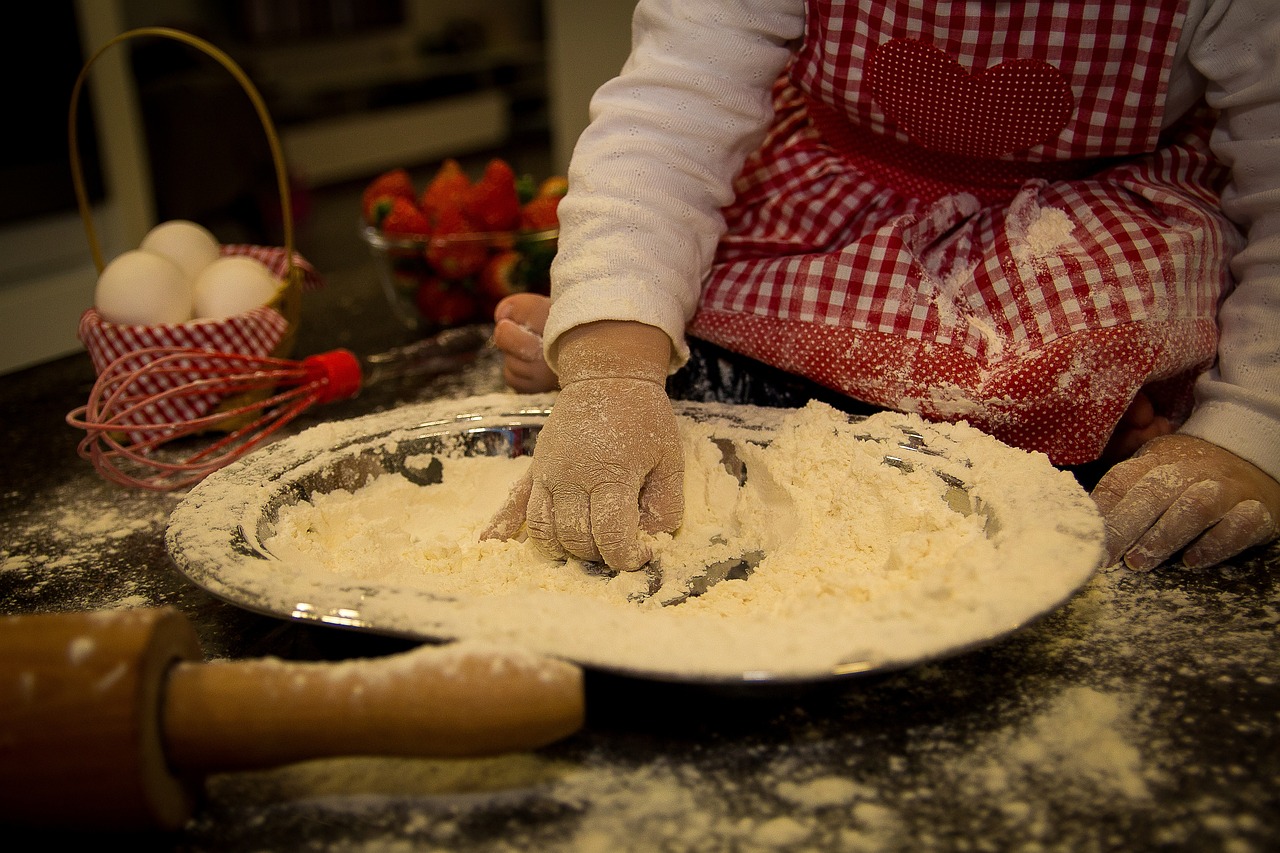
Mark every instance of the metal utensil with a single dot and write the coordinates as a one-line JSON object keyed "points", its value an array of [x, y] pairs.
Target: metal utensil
{"points": [[148, 399], [216, 540]]}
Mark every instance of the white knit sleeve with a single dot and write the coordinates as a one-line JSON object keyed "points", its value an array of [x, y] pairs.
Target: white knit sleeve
{"points": [[656, 164], [1237, 49]]}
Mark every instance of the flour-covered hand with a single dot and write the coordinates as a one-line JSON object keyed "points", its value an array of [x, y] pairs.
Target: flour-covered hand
{"points": [[1181, 492], [608, 462]]}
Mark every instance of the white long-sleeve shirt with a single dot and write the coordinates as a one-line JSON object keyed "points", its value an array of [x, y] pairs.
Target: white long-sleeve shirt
{"points": [[668, 136]]}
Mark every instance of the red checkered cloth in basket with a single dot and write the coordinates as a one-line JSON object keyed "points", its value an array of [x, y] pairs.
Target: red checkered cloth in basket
{"points": [[256, 333], [972, 212], [275, 259]]}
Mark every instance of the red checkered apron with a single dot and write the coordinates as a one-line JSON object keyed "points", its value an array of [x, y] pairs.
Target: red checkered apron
{"points": [[968, 209]]}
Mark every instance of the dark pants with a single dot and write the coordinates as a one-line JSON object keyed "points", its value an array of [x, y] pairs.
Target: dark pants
{"points": [[717, 375]]}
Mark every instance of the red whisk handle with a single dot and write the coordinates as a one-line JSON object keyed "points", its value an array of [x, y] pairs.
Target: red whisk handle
{"points": [[335, 374]]}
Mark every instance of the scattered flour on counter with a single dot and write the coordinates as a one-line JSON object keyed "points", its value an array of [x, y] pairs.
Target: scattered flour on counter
{"points": [[87, 529], [778, 805], [820, 792], [1082, 737], [864, 564]]}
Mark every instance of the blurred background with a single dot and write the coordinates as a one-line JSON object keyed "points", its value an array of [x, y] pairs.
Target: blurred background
{"points": [[354, 87]]}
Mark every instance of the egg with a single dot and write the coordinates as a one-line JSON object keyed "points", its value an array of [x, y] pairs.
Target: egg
{"points": [[143, 288], [231, 285], [189, 245]]}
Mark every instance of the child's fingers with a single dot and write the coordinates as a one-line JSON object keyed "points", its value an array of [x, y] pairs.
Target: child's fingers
{"points": [[524, 309], [1117, 482], [526, 378], [508, 520], [1183, 492], [523, 367], [517, 341], [1247, 524]]}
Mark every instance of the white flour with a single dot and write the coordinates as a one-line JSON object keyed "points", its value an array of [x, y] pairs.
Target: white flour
{"points": [[81, 537], [1049, 231], [865, 565]]}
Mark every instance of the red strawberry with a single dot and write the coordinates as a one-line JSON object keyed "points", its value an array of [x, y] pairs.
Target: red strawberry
{"points": [[455, 251], [405, 220], [540, 214], [375, 203], [493, 204], [449, 187], [556, 185], [445, 303], [500, 278]]}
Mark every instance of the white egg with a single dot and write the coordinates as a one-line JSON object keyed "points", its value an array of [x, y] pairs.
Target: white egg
{"points": [[143, 288], [233, 284], [189, 245]]}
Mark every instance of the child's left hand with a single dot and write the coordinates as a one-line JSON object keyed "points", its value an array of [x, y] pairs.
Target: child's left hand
{"points": [[518, 323], [1183, 492]]}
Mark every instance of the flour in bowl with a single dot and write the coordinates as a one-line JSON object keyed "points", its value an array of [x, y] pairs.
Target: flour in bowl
{"points": [[861, 564]]}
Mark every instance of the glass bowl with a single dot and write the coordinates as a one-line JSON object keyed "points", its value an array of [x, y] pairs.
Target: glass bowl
{"points": [[436, 282]]}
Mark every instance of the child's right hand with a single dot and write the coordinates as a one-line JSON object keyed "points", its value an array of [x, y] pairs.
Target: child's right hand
{"points": [[518, 323], [608, 463]]}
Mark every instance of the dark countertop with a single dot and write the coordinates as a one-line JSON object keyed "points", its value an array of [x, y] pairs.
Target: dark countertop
{"points": [[1143, 715]]}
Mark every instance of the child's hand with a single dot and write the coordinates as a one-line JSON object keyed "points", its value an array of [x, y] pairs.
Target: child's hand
{"points": [[608, 462], [1183, 492], [518, 323], [1140, 423]]}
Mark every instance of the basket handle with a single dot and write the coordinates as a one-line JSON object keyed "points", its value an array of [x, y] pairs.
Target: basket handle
{"points": [[277, 156]]}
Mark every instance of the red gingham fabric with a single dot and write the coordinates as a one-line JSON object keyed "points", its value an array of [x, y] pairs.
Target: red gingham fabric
{"points": [[1116, 78], [969, 210], [276, 260], [255, 333]]}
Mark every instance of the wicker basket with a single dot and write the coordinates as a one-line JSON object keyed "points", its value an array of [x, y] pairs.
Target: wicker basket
{"points": [[267, 330]]}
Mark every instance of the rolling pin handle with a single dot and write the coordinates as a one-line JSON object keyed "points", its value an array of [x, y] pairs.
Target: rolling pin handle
{"points": [[80, 740]]}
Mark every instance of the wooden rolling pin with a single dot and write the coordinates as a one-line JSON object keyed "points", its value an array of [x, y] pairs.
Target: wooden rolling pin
{"points": [[112, 719]]}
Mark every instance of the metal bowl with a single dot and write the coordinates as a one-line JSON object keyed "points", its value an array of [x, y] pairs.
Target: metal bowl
{"points": [[216, 539]]}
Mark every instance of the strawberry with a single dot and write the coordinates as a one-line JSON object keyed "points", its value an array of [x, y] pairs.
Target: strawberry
{"points": [[501, 277], [445, 303], [375, 202], [449, 187], [405, 220], [454, 252], [540, 214], [493, 203], [555, 186], [537, 251]]}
